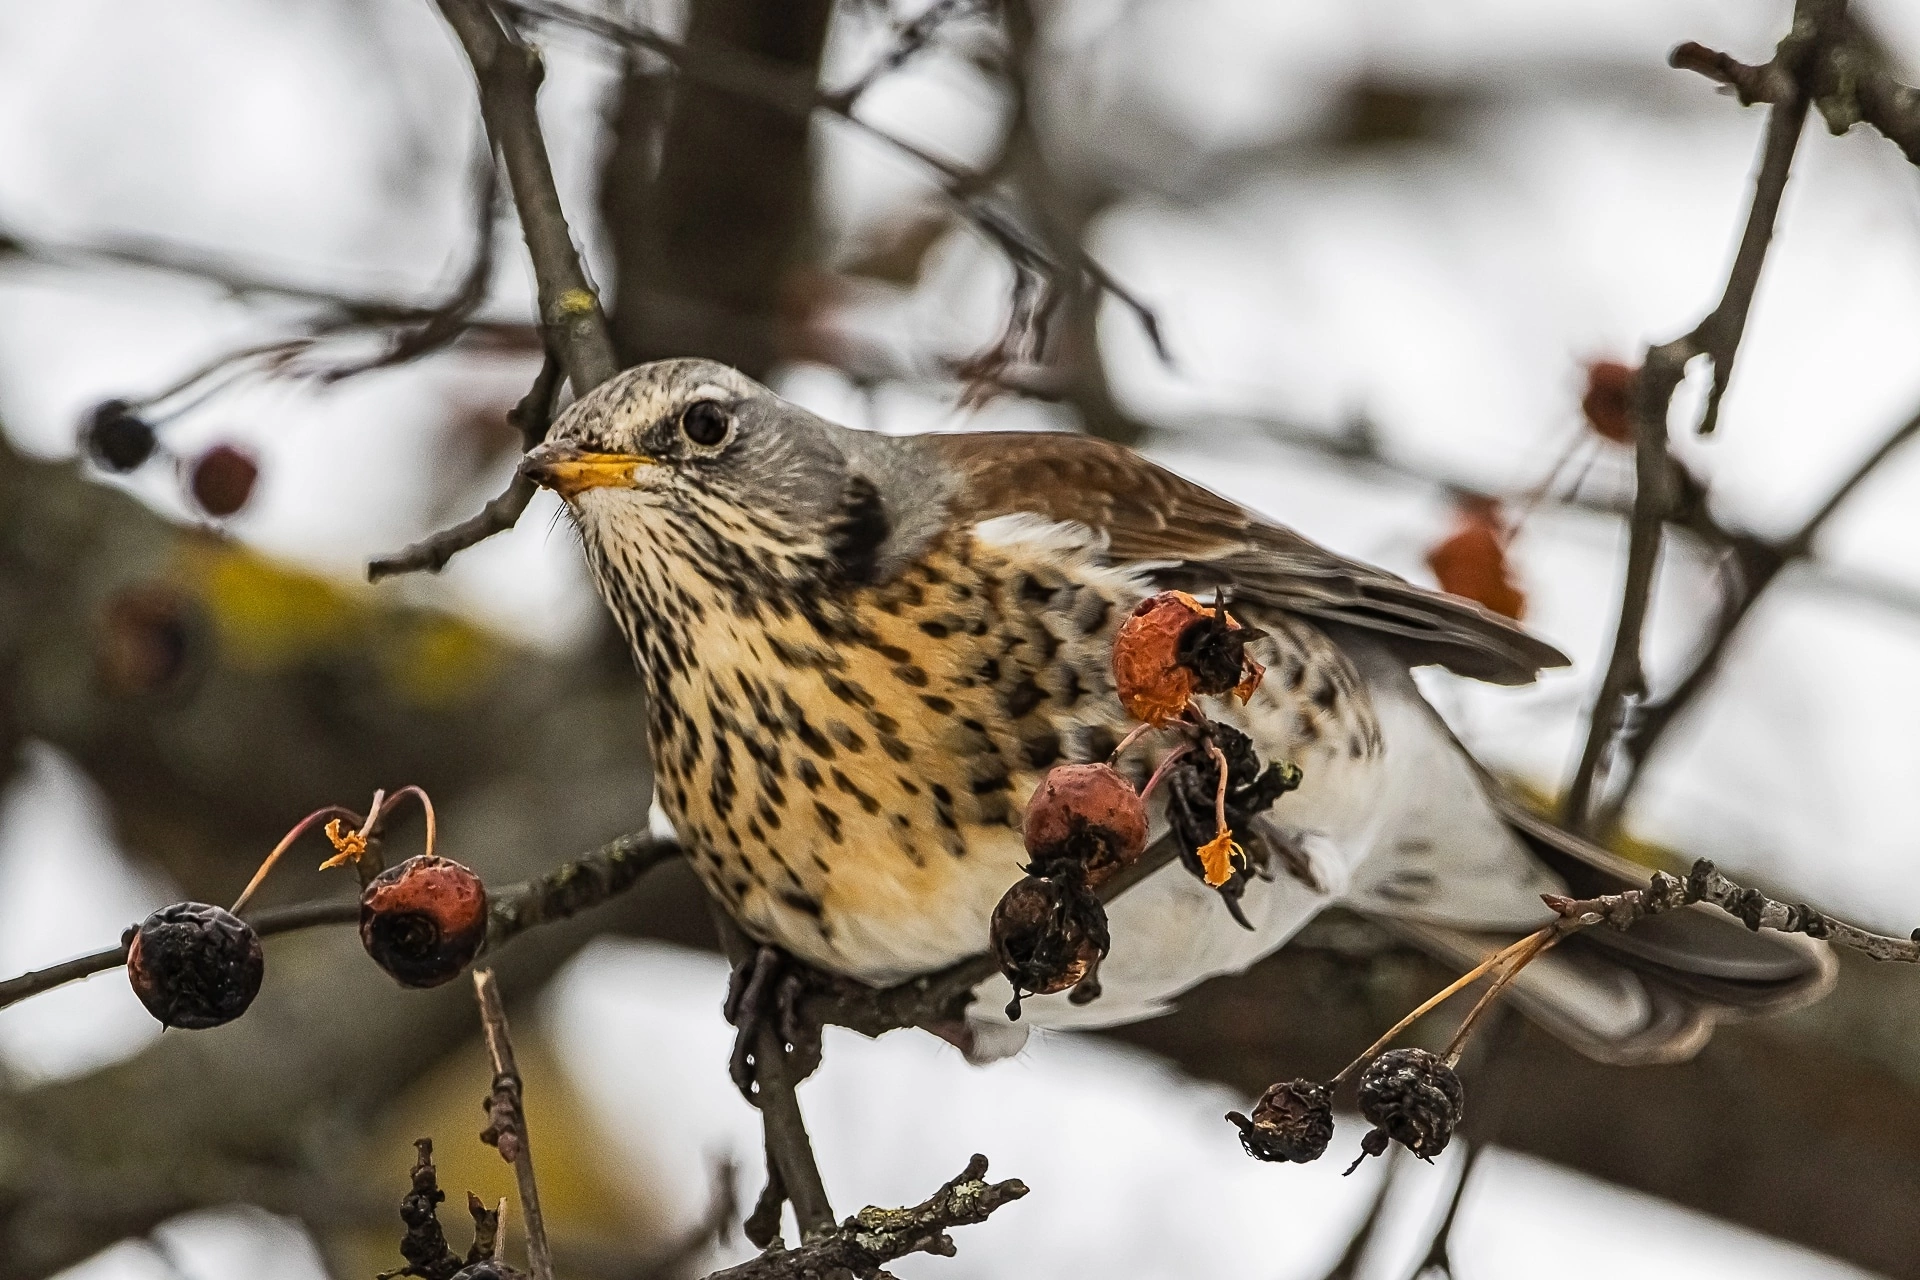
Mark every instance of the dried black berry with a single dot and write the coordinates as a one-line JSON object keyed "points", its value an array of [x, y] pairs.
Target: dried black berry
{"points": [[194, 965], [1413, 1098], [1047, 935], [423, 920], [1192, 784], [1293, 1121], [116, 437], [489, 1269]]}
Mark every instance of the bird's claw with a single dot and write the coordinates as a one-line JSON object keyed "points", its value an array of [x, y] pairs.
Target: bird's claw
{"points": [[769, 986]]}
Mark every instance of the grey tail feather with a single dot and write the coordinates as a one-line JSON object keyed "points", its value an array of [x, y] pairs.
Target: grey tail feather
{"points": [[1652, 994]]}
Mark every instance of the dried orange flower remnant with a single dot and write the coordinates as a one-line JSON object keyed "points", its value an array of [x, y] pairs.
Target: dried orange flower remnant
{"points": [[1218, 857], [348, 846]]}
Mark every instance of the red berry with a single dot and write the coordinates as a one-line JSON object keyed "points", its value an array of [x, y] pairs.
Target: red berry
{"points": [[1608, 402], [423, 920], [1472, 561], [1088, 815], [1171, 647], [117, 438], [194, 965], [223, 480]]}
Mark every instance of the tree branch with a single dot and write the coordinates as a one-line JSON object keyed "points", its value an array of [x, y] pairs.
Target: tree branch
{"points": [[533, 416], [508, 72], [866, 1242], [566, 891], [507, 1128], [1717, 336]]}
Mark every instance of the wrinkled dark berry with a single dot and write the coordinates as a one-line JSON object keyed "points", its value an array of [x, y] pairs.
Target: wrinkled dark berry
{"points": [[116, 437], [1047, 935], [1087, 815], [223, 480], [423, 920], [194, 965], [489, 1269], [1191, 785], [1413, 1098], [1293, 1121]]}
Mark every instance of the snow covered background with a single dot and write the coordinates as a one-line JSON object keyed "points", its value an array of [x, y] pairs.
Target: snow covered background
{"points": [[1584, 203]]}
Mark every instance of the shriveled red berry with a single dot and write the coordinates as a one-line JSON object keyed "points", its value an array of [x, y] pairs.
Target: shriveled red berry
{"points": [[1047, 935], [424, 919], [1608, 402], [1293, 1121], [194, 965], [1472, 561], [223, 479], [116, 437], [1171, 647], [1088, 815], [1411, 1097]]}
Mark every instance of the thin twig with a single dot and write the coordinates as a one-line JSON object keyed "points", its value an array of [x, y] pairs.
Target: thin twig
{"points": [[1705, 883], [508, 1130], [1717, 336], [563, 892], [275, 920], [533, 415], [1758, 566], [508, 72]]}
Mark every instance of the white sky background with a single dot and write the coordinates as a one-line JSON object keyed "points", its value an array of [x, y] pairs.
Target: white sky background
{"points": [[1446, 294]]}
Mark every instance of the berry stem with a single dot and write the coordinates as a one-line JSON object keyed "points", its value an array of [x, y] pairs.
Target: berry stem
{"points": [[1526, 951], [1220, 793], [1464, 981], [299, 828], [1133, 736], [380, 811], [1160, 771]]}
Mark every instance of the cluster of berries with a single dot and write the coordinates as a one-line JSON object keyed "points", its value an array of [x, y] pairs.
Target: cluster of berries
{"points": [[1086, 823], [195, 965], [119, 440], [1409, 1096]]}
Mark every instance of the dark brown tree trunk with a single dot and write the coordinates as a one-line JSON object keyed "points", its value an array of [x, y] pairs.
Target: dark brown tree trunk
{"points": [[708, 195]]}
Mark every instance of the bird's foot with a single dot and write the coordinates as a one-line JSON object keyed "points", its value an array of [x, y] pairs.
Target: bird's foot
{"points": [[764, 994]]}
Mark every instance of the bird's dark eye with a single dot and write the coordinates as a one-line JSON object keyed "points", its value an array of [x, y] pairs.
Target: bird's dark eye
{"points": [[705, 422]]}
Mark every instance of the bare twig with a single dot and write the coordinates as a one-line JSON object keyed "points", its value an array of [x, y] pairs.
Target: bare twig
{"points": [[507, 1127], [566, 891], [1758, 566], [908, 42], [1704, 883], [866, 1242], [1850, 79], [533, 415], [276, 920], [508, 72], [1717, 336], [424, 1245]]}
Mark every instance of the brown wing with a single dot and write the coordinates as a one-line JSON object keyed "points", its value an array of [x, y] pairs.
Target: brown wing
{"points": [[1150, 514]]}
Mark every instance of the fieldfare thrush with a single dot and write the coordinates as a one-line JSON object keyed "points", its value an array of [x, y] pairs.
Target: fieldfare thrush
{"points": [[864, 651]]}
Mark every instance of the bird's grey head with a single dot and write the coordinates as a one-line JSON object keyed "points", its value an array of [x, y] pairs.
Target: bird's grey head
{"points": [[693, 447]]}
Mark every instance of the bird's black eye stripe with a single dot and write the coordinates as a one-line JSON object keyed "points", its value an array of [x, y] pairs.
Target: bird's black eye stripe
{"points": [[705, 422]]}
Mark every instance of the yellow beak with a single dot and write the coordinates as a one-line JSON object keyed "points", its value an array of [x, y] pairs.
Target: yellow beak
{"points": [[569, 470]]}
